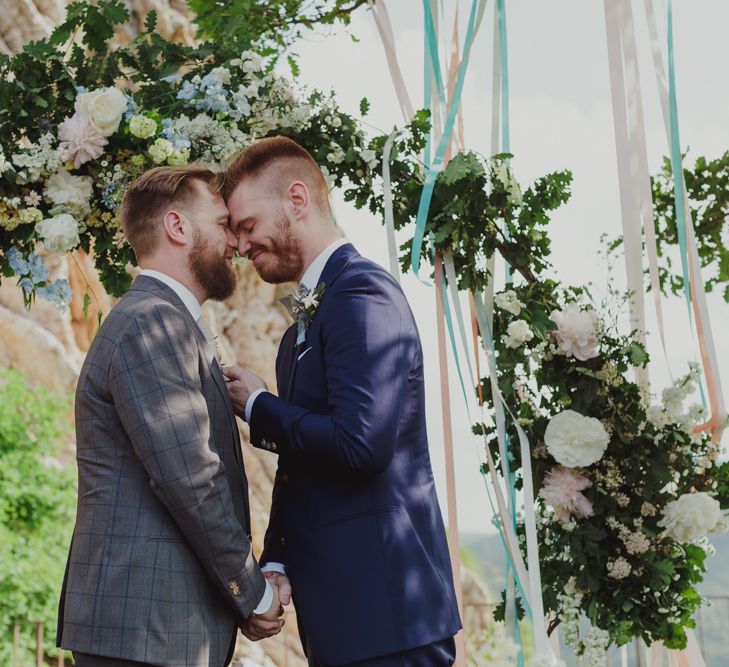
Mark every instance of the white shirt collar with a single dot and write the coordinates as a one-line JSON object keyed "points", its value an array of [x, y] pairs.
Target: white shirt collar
{"points": [[186, 296], [311, 276]]}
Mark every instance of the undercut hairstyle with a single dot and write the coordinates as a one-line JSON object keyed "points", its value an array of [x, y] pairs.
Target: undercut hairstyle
{"points": [[286, 160], [153, 194]]}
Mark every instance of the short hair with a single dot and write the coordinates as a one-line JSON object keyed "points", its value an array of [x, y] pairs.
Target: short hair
{"points": [[157, 189], [292, 162]]}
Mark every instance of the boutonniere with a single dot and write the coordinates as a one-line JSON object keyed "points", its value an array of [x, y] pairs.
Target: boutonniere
{"points": [[302, 305]]}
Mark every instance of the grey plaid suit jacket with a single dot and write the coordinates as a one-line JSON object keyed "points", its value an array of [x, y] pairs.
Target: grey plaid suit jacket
{"points": [[160, 568]]}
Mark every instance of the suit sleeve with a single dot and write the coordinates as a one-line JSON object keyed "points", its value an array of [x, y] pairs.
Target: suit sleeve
{"points": [[274, 548], [369, 341], [156, 386]]}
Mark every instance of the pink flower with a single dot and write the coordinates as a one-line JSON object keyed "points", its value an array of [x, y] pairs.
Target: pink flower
{"points": [[561, 490], [80, 140], [32, 198], [576, 331]]}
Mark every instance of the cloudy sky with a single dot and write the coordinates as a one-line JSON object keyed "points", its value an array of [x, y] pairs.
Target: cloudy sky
{"points": [[561, 118]]}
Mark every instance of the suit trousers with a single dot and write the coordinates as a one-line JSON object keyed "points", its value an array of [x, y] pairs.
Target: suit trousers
{"points": [[437, 654]]}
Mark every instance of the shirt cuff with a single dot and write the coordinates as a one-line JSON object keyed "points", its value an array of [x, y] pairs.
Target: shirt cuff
{"points": [[249, 403], [274, 567], [265, 604]]}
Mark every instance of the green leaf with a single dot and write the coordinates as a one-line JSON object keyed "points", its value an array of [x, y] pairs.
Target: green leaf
{"points": [[364, 106], [294, 66]]}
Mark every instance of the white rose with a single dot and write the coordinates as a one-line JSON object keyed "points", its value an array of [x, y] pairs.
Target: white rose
{"points": [[59, 233], [517, 333], [74, 191], [692, 516], [576, 331], [575, 441], [507, 301], [104, 107]]}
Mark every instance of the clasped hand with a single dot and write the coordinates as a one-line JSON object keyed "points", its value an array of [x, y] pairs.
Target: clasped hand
{"points": [[262, 626]]}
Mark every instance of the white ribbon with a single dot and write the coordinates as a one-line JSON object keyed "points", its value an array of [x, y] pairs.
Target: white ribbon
{"points": [[387, 203], [619, 25]]}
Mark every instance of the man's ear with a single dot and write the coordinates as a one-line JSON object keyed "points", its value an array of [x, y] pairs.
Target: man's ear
{"points": [[300, 200], [177, 228]]}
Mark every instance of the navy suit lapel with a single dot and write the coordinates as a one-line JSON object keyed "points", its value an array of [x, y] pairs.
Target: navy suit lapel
{"points": [[289, 350]]}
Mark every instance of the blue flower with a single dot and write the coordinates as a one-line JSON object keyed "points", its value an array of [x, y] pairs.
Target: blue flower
{"points": [[58, 292], [187, 92], [17, 262], [37, 270], [171, 78], [26, 285]]}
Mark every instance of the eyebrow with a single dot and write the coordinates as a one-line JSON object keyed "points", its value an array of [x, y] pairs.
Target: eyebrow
{"points": [[237, 224]]}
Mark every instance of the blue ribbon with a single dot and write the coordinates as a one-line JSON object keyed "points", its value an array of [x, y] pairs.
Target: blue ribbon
{"points": [[676, 167], [433, 170]]}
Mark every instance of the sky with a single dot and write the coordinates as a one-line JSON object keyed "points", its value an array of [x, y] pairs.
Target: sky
{"points": [[560, 118]]}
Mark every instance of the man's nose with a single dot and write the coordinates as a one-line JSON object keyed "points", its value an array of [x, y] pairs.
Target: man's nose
{"points": [[244, 245], [231, 238]]}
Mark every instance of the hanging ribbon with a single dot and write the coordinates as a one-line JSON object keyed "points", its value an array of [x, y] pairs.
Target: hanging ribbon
{"points": [[667, 93], [384, 28], [387, 204], [619, 28], [435, 167]]}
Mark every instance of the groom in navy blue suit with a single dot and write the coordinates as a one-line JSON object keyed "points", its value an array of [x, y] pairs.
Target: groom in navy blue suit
{"points": [[355, 523]]}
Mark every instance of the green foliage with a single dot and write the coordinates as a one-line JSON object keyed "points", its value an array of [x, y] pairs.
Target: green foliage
{"points": [[708, 199], [478, 209], [37, 502], [271, 27]]}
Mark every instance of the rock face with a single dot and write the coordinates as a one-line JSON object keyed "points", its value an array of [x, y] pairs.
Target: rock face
{"points": [[49, 345]]}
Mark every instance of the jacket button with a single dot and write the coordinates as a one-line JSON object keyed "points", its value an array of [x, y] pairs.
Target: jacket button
{"points": [[284, 478]]}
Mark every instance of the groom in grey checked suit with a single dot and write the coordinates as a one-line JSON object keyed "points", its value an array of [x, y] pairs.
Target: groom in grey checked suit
{"points": [[160, 569]]}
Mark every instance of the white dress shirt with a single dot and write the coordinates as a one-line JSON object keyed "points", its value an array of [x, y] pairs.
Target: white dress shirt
{"points": [[192, 304]]}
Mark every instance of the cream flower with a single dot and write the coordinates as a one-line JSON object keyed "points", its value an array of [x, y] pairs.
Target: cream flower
{"points": [[692, 516], [80, 140], [59, 233], [142, 127], [575, 440], [507, 301], [517, 333], [104, 107], [562, 490], [160, 150], [618, 568], [74, 191], [576, 331]]}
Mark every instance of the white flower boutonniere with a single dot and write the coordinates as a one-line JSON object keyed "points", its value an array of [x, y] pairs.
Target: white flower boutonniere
{"points": [[302, 305]]}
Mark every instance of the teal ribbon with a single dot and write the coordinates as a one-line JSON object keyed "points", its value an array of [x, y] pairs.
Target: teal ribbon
{"points": [[451, 334], [679, 201], [489, 340], [676, 167], [433, 170], [504, 80]]}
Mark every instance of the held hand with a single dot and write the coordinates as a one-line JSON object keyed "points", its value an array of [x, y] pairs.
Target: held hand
{"points": [[268, 624], [241, 385], [283, 584]]}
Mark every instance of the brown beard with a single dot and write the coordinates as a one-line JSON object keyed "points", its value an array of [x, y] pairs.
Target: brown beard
{"points": [[211, 271], [287, 250]]}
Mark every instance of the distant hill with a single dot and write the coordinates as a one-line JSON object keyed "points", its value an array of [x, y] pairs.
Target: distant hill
{"points": [[485, 555]]}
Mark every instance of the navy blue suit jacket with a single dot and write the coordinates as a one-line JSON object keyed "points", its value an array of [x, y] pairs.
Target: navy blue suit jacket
{"points": [[354, 515]]}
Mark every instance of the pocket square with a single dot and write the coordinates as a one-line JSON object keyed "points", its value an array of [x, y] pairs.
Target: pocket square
{"points": [[302, 354]]}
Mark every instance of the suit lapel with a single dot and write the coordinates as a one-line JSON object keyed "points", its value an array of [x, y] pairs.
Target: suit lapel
{"points": [[288, 348], [154, 286]]}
